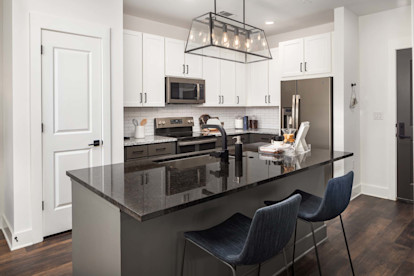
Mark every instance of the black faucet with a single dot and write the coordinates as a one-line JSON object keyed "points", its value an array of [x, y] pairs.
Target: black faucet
{"points": [[224, 153]]}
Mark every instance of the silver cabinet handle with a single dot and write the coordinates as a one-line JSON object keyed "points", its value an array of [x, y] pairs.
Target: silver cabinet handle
{"points": [[145, 97], [140, 97], [219, 99], [183, 68], [265, 98], [301, 66], [306, 69], [238, 99], [187, 69], [222, 99], [268, 98]]}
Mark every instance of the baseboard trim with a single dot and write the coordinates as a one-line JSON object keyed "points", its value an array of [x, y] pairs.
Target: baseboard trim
{"points": [[16, 240], [356, 191], [376, 191]]}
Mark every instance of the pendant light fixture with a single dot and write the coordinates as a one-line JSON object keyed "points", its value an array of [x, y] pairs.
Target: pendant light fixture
{"points": [[217, 36]]}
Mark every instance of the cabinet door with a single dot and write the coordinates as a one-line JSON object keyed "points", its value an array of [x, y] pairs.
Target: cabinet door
{"points": [[228, 80], [174, 57], [154, 189], [318, 54], [274, 79], [194, 66], [211, 73], [241, 84], [153, 70], [132, 69], [258, 83], [291, 57]]}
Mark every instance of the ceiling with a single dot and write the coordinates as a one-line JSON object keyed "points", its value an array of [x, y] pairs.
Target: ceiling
{"points": [[288, 15]]}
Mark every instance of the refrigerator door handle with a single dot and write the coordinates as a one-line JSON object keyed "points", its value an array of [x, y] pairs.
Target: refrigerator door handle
{"points": [[293, 112], [297, 111]]}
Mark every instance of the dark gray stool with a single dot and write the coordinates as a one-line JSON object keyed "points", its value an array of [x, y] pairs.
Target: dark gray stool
{"points": [[315, 209], [243, 241]]}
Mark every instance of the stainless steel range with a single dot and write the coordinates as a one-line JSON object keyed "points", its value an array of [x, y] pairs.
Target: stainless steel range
{"points": [[182, 129]]}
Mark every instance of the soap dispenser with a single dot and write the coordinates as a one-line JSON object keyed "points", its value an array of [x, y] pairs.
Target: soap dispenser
{"points": [[238, 148]]}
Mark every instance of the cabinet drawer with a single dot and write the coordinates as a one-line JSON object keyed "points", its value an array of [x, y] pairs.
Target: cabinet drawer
{"points": [[136, 152], [161, 149], [255, 138]]}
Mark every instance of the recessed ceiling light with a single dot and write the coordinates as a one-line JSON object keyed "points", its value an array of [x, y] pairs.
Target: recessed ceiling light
{"points": [[269, 22]]}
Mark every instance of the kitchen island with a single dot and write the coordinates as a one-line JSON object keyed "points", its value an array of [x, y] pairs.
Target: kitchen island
{"points": [[129, 218]]}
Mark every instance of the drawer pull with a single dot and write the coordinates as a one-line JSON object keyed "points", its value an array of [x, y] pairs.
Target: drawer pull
{"points": [[138, 151], [160, 149]]}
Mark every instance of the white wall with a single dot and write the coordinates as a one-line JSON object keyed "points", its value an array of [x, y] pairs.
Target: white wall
{"points": [[377, 31], [7, 113], [109, 13], [346, 68], [1, 118]]}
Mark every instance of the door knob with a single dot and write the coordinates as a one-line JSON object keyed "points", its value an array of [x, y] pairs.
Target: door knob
{"points": [[96, 143]]}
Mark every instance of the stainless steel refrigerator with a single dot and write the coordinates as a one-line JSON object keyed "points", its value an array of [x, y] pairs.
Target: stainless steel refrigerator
{"points": [[309, 100]]}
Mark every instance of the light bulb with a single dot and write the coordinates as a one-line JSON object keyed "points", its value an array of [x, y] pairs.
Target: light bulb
{"points": [[264, 43], [248, 41], [236, 42], [259, 37], [191, 36], [200, 33], [225, 39]]}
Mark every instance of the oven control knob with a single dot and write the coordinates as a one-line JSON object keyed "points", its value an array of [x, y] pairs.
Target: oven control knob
{"points": [[189, 121], [159, 122], [163, 122]]}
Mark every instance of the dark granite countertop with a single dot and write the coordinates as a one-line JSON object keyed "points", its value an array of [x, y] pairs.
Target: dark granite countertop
{"points": [[151, 188]]}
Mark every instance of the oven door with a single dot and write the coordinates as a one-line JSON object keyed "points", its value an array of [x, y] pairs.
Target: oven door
{"points": [[196, 145], [184, 91]]}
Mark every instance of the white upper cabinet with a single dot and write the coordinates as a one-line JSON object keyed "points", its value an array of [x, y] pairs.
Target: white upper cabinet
{"points": [[211, 74], [258, 83], [143, 70], [228, 79], [274, 79], [193, 66], [174, 57], [179, 64], [306, 56], [241, 84], [317, 54], [132, 69], [153, 70], [291, 57]]}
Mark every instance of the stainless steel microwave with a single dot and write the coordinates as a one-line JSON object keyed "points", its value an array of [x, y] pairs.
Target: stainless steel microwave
{"points": [[185, 91]]}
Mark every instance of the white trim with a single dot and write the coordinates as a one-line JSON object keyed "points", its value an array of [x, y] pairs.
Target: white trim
{"points": [[356, 191], [39, 22], [377, 191], [7, 231], [393, 46]]}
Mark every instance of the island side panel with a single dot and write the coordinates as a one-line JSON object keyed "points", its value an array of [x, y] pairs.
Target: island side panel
{"points": [[155, 247], [96, 234]]}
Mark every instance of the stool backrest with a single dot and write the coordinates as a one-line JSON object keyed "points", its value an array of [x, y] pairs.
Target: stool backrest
{"points": [[270, 231], [336, 198]]}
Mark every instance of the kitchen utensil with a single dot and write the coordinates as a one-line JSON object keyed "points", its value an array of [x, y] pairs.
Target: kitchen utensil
{"points": [[143, 122], [135, 122], [289, 134], [203, 119]]}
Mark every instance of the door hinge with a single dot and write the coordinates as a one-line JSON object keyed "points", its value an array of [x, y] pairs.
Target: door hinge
{"points": [[41, 49], [42, 127], [43, 205]]}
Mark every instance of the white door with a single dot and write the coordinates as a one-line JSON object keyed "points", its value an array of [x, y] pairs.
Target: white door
{"points": [[132, 69], [258, 91], [291, 57], [153, 70], [317, 54], [211, 73], [274, 79], [194, 66], [72, 119], [228, 79], [174, 58]]}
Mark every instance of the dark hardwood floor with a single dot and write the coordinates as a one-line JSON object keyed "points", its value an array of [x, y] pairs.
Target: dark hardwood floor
{"points": [[380, 234]]}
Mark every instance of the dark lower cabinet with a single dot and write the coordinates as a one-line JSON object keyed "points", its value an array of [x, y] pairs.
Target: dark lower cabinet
{"points": [[256, 138], [147, 151]]}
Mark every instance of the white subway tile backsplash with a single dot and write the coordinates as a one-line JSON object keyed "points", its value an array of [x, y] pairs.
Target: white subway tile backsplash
{"points": [[268, 117]]}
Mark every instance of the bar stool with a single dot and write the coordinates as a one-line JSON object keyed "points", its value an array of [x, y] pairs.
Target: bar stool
{"points": [[243, 241], [315, 209]]}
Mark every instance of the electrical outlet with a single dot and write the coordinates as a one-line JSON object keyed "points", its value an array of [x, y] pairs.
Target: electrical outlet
{"points": [[378, 116]]}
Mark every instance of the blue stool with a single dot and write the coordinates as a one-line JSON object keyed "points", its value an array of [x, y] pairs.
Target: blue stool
{"points": [[316, 209], [243, 241]]}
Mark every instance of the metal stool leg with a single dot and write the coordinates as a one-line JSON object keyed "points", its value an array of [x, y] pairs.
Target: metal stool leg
{"points": [[316, 249], [294, 249], [286, 264], [182, 263], [346, 243], [258, 272], [233, 269]]}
